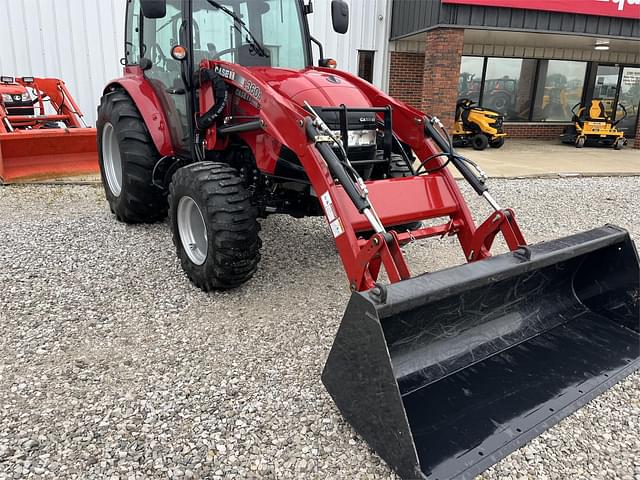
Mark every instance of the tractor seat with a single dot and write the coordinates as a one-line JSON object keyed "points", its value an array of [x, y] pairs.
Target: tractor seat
{"points": [[596, 113]]}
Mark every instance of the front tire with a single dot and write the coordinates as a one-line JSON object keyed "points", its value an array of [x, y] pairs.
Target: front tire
{"points": [[127, 157], [214, 226], [618, 144], [479, 141]]}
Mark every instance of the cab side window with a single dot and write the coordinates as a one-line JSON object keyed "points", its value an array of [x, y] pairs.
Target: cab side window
{"points": [[132, 34], [160, 35]]}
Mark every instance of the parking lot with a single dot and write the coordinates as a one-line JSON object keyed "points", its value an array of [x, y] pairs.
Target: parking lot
{"points": [[115, 366]]}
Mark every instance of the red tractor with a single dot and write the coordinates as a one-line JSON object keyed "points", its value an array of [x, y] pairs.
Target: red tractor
{"points": [[221, 118]]}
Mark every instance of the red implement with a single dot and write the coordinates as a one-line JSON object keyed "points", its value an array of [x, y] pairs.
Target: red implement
{"points": [[42, 133]]}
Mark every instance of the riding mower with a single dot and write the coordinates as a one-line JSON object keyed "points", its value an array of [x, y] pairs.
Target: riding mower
{"points": [[442, 373], [42, 132], [477, 126], [593, 127]]}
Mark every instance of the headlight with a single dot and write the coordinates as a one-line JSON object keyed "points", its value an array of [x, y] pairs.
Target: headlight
{"points": [[26, 97], [7, 98], [359, 138]]}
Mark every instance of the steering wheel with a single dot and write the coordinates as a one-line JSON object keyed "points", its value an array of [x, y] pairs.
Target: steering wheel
{"points": [[219, 54]]}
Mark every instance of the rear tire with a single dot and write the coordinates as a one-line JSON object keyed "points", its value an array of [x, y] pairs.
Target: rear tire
{"points": [[214, 226], [498, 143], [580, 142], [127, 157], [479, 141], [618, 144]]}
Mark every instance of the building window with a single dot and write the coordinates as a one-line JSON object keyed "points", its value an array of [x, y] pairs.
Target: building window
{"points": [[523, 89], [559, 88], [365, 64], [470, 78], [508, 86]]}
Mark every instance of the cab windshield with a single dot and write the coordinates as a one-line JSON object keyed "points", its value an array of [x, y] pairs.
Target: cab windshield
{"points": [[275, 25]]}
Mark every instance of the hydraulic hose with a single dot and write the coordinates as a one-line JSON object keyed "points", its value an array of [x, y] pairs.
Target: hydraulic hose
{"points": [[462, 167], [337, 169]]}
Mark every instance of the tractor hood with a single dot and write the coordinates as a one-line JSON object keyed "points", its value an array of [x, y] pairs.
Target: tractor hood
{"points": [[318, 88]]}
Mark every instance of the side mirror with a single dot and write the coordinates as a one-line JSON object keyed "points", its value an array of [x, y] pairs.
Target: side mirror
{"points": [[154, 8], [340, 15]]}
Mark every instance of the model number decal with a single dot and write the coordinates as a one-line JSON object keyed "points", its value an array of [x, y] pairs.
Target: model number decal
{"points": [[253, 89], [247, 98], [246, 84]]}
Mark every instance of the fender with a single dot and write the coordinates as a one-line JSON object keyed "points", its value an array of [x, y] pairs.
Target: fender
{"points": [[149, 106]]}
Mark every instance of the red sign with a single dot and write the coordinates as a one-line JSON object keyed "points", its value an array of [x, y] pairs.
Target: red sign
{"points": [[604, 8]]}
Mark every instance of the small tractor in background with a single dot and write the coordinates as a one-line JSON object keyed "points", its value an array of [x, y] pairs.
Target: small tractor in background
{"points": [[477, 126], [42, 132], [594, 127], [221, 118]]}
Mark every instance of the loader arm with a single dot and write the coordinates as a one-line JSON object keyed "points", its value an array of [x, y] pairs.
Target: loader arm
{"points": [[396, 201]]}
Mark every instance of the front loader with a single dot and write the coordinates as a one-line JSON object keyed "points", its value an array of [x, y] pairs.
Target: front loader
{"points": [[221, 119], [42, 131]]}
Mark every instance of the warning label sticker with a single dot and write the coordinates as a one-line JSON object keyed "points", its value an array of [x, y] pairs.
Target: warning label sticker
{"points": [[328, 206], [336, 228]]}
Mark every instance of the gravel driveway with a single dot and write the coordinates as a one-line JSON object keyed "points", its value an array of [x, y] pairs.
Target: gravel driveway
{"points": [[113, 366]]}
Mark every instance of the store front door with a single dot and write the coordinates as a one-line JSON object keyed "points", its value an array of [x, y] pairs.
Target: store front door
{"points": [[619, 87], [630, 98]]}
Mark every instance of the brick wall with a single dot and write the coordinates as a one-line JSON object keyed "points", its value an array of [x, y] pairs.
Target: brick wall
{"points": [[539, 131], [405, 77], [443, 50]]}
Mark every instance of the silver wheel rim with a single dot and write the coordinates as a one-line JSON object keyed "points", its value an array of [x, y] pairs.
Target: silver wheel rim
{"points": [[192, 230], [112, 159]]}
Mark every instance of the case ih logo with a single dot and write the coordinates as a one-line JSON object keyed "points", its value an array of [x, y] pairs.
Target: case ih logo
{"points": [[603, 8]]}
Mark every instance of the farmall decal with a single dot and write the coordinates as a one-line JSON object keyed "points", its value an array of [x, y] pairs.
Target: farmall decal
{"points": [[604, 8]]}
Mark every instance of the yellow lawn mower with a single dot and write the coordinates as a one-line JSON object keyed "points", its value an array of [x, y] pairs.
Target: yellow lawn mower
{"points": [[592, 126], [477, 126]]}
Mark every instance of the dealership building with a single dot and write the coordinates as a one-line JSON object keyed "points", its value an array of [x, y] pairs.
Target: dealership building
{"points": [[533, 60]]}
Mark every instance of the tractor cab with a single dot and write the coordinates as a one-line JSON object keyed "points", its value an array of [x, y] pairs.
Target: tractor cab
{"points": [[174, 41]]}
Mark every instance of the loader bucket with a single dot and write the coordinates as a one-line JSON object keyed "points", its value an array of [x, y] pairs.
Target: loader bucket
{"points": [[47, 153], [446, 373]]}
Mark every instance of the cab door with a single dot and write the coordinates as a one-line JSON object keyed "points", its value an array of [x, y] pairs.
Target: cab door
{"points": [[159, 36]]}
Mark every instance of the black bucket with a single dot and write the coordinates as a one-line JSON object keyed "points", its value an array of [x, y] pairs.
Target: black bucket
{"points": [[447, 373]]}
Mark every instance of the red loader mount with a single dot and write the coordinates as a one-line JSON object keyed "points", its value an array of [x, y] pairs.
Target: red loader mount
{"points": [[221, 119], [42, 133]]}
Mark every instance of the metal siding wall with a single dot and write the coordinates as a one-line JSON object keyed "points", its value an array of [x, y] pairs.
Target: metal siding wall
{"points": [[366, 32], [81, 41]]}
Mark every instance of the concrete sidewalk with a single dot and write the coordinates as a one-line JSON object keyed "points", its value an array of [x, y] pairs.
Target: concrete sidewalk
{"points": [[531, 158]]}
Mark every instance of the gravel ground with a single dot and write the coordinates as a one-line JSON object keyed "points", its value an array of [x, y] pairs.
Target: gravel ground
{"points": [[113, 366]]}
